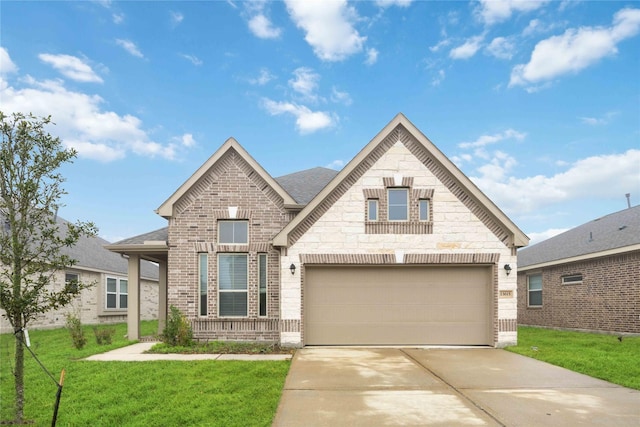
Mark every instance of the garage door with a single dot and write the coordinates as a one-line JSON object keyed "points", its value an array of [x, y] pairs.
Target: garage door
{"points": [[407, 305]]}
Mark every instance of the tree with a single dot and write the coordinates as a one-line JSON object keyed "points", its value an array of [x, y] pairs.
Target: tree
{"points": [[32, 242]]}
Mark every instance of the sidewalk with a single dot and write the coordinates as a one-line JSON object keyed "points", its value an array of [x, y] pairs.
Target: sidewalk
{"points": [[136, 353]]}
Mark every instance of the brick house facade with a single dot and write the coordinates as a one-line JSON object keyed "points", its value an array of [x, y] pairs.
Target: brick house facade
{"points": [[399, 247], [589, 277]]}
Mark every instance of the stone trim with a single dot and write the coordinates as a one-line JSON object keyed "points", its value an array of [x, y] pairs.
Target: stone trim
{"points": [[241, 214], [210, 247], [364, 259], [508, 325], [404, 227], [474, 258], [422, 193], [373, 193], [407, 181]]}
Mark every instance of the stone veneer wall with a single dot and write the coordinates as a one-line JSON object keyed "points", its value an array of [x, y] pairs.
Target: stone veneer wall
{"points": [[456, 230], [231, 182], [607, 300], [89, 304]]}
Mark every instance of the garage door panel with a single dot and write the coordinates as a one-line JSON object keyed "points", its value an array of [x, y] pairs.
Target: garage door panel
{"points": [[397, 305]]}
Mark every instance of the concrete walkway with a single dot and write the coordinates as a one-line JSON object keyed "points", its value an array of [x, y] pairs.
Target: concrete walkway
{"points": [[136, 353], [445, 387]]}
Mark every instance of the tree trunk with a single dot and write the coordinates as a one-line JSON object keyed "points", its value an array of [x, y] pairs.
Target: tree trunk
{"points": [[19, 377]]}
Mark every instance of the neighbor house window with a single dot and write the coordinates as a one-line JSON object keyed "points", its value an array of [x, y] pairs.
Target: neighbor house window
{"points": [[117, 292], [202, 279], [574, 279], [398, 204], [423, 205], [262, 284], [233, 232], [232, 284], [534, 287], [71, 281], [372, 210]]}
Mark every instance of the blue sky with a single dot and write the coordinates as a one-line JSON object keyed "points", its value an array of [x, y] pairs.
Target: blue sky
{"points": [[537, 102]]}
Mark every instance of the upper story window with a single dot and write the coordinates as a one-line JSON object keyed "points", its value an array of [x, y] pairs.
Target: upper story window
{"points": [[398, 204], [372, 210], [233, 232], [423, 205]]}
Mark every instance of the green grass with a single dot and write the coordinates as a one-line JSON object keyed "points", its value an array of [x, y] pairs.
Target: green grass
{"points": [[167, 393], [222, 347], [596, 355]]}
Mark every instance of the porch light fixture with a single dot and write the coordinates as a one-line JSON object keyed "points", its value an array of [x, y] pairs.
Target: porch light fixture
{"points": [[292, 267], [507, 268]]}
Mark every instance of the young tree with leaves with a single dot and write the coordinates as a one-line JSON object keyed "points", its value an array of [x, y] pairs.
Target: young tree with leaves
{"points": [[32, 242]]}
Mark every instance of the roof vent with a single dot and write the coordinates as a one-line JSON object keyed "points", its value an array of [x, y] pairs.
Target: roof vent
{"points": [[622, 227], [591, 236]]}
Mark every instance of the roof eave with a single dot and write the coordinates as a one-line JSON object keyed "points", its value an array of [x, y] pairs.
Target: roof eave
{"points": [[584, 257]]}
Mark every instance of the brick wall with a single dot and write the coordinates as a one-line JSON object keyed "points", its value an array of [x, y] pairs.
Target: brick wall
{"points": [[607, 300], [231, 182]]}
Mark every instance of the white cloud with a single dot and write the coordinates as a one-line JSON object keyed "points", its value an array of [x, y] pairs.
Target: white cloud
{"points": [[495, 11], [389, 3], [336, 164], [442, 43], [328, 27], [485, 140], [6, 64], [439, 78], [501, 47], [544, 235], [305, 82], [575, 50], [592, 178], [130, 47], [118, 18], [81, 121], [372, 56], [262, 27], [307, 121], [263, 78], [341, 97], [187, 140], [468, 48], [71, 67], [192, 58], [176, 18], [599, 121]]}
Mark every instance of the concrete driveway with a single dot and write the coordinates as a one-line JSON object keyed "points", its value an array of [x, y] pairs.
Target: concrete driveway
{"points": [[445, 387]]}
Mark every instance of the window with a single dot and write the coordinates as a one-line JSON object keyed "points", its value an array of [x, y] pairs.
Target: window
{"points": [[71, 281], [233, 232], [202, 278], [372, 210], [262, 284], [232, 283], [574, 279], [117, 293], [398, 204], [535, 290], [423, 204]]}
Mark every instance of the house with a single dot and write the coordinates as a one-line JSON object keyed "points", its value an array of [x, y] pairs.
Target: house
{"points": [[107, 300], [587, 278], [399, 247]]}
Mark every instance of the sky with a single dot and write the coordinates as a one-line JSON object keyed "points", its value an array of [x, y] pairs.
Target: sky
{"points": [[538, 102]]}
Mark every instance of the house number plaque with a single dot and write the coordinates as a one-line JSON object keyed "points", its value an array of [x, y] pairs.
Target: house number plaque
{"points": [[506, 294]]}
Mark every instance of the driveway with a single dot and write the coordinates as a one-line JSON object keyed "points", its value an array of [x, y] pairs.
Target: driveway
{"points": [[445, 387]]}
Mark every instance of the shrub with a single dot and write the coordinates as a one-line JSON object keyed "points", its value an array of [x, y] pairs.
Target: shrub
{"points": [[75, 329], [104, 336], [178, 331]]}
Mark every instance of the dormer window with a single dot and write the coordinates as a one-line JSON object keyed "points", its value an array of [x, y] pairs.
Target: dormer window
{"points": [[233, 232]]}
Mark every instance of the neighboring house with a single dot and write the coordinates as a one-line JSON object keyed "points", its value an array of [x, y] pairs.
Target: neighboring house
{"points": [[399, 247], [107, 300], [587, 278]]}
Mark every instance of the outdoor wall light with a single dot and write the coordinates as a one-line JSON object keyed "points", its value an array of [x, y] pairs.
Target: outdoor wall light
{"points": [[292, 267], [507, 268]]}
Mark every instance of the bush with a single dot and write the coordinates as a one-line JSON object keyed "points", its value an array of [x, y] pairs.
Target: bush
{"points": [[75, 329], [104, 336], [178, 331]]}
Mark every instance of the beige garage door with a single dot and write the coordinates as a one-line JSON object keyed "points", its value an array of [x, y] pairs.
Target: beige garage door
{"points": [[364, 305]]}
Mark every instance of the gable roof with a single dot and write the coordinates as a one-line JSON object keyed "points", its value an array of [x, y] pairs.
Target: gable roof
{"points": [[400, 128], [304, 185], [166, 209], [614, 233]]}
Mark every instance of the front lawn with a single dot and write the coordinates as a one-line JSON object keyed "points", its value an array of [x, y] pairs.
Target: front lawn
{"points": [[167, 393], [596, 355]]}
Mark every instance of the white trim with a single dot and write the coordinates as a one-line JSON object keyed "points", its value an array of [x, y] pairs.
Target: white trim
{"points": [[584, 257]]}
